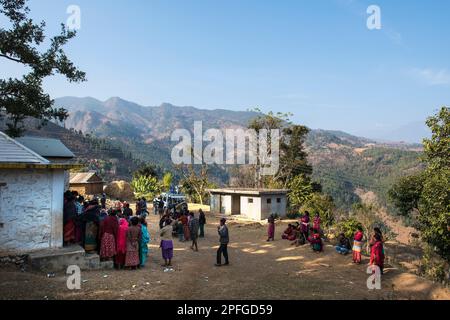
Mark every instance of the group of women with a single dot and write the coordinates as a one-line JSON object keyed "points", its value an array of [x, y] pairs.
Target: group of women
{"points": [[302, 232], [114, 234]]}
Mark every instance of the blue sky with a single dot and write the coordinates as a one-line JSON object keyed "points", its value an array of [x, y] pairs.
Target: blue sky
{"points": [[316, 59]]}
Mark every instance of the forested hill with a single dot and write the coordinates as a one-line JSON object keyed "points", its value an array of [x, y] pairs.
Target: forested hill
{"points": [[117, 136], [342, 163]]}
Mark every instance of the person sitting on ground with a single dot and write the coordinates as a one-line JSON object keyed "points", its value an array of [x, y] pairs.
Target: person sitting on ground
{"points": [[289, 233], [343, 246], [316, 241]]}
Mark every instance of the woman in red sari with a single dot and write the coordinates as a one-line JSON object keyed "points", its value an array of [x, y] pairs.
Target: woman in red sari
{"points": [[69, 217], [184, 221], [121, 243], [316, 222], [271, 228], [288, 233], [108, 234], [376, 253], [357, 245]]}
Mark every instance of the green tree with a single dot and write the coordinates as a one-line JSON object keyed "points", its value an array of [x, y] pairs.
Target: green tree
{"points": [[145, 186], [301, 191], [430, 192], [167, 180], [148, 170], [195, 182], [406, 192], [323, 205], [25, 97]]}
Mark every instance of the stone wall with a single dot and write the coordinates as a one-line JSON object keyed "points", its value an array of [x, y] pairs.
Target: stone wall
{"points": [[30, 209]]}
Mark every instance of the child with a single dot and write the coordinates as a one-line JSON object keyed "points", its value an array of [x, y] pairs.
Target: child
{"points": [[145, 239], [271, 228], [357, 245]]}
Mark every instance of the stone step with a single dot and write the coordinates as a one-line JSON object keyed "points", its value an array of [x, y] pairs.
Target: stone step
{"points": [[57, 259]]}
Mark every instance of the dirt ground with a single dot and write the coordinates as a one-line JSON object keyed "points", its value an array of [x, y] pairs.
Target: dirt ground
{"points": [[257, 270]]}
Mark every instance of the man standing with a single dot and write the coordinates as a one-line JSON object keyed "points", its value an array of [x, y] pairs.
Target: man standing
{"points": [[224, 240], [193, 228], [202, 222]]}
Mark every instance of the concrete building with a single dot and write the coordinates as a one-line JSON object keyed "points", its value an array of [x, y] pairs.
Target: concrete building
{"points": [[86, 183], [253, 204], [31, 199]]}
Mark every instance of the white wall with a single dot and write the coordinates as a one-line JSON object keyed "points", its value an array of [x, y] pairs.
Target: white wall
{"points": [[251, 210], [31, 208], [274, 207]]}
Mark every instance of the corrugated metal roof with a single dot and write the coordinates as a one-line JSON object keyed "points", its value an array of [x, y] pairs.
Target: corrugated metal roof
{"points": [[84, 177], [46, 147], [11, 151]]}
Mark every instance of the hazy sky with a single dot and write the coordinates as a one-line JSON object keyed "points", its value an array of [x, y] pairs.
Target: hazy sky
{"points": [[316, 59]]}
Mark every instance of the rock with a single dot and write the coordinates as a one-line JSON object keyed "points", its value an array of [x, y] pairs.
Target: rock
{"points": [[119, 189]]}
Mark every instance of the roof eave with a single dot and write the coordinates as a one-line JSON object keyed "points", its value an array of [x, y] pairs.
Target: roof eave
{"points": [[18, 165]]}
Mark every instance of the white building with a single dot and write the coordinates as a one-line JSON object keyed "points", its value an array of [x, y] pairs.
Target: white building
{"points": [[31, 199], [254, 204]]}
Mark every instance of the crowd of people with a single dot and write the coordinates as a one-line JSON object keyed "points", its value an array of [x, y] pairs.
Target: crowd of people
{"points": [[118, 235], [302, 232]]}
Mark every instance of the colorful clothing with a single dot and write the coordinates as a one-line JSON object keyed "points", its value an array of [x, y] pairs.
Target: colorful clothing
{"points": [[357, 246], [377, 255], [133, 239], [121, 242], [145, 239], [316, 223], [108, 233], [166, 244]]}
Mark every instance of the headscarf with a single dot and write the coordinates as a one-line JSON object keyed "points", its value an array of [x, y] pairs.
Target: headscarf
{"points": [[122, 236]]}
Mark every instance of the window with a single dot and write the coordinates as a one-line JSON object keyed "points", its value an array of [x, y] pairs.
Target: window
{"points": [[250, 200], [269, 201], [278, 200]]}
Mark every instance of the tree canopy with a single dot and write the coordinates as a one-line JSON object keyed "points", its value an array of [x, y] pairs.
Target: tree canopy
{"points": [[25, 97]]}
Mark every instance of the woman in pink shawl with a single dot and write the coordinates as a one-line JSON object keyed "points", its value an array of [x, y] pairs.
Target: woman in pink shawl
{"points": [[121, 243]]}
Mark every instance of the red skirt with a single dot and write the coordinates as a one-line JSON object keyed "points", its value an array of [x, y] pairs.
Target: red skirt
{"points": [[108, 246], [69, 231], [187, 234], [132, 259]]}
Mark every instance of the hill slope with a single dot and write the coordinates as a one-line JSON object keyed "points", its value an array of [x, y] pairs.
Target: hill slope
{"points": [[342, 162]]}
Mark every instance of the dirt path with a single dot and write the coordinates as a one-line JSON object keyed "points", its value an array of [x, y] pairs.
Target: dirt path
{"points": [[258, 270]]}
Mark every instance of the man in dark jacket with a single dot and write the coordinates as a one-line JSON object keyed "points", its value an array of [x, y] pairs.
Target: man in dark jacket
{"points": [[224, 240], [201, 222]]}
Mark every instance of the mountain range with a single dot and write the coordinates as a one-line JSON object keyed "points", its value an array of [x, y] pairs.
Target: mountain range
{"points": [[117, 136]]}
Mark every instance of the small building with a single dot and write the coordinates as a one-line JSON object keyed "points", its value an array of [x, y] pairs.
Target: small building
{"points": [[86, 183], [31, 199], [253, 204]]}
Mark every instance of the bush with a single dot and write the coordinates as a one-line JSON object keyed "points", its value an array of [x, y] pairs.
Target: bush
{"points": [[432, 266], [348, 227]]}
